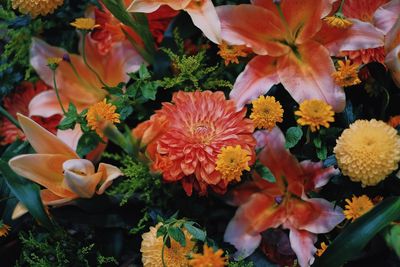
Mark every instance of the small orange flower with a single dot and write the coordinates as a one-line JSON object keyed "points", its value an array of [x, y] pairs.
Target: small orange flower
{"points": [[230, 53], [357, 206], [209, 258], [322, 249], [338, 21], [347, 74], [4, 229], [100, 114], [315, 113]]}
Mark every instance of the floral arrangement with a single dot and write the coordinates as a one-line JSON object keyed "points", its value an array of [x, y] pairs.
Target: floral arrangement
{"points": [[200, 133]]}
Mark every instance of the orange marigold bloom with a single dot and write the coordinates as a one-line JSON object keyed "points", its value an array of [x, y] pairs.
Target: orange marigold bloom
{"points": [[394, 121], [18, 102], [100, 114], [195, 128], [209, 258], [230, 53]]}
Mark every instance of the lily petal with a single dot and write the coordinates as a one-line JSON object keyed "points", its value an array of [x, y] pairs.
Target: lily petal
{"points": [[307, 75], [205, 17], [71, 136], [257, 78], [46, 104], [51, 199], [109, 173], [385, 17], [302, 243], [148, 6], [18, 211], [44, 169], [315, 175], [42, 140], [392, 61]]}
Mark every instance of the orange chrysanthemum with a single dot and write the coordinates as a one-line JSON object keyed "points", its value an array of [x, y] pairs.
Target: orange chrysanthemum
{"points": [[196, 126], [36, 7], [100, 114], [18, 102], [209, 258], [357, 206], [230, 53]]}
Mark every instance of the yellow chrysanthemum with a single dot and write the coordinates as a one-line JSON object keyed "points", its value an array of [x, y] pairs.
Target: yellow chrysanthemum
{"points": [[321, 250], [84, 24], [230, 53], [175, 256], [266, 112], [4, 229], [338, 21], [232, 161], [315, 113], [100, 114], [209, 258], [36, 7], [347, 74], [357, 206], [368, 151]]}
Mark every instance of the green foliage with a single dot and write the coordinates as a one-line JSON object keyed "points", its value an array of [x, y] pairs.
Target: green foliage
{"points": [[293, 136], [264, 172], [241, 263], [58, 249]]}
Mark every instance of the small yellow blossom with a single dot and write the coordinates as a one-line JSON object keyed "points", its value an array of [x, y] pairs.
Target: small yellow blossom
{"points": [[315, 113], [36, 7], [266, 112], [209, 258], [100, 114], [347, 74], [357, 206], [84, 24], [232, 161], [368, 151], [338, 21], [321, 250], [53, 62], [230, 53]]}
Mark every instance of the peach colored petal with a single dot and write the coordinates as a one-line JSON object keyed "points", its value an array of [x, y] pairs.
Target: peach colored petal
{"points": [[257, 78], [109, 173], [51, 199], [308, 75], [42, 140], [44, 169], [302, 243], [80, 177], [148, 6], [266, 28], [46, 104], [392, 39], [386, 15], [205, 17], [71, 136]]}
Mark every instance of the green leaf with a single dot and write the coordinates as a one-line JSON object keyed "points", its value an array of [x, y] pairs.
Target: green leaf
{"points": [[195, 232], [265, 173], [87, 143], [322, 152], [144, 74], [357, 235], [26, 192], [392, 237], [317, 142], [162, 231], [293, 136], [178, 235], [149, 90]]}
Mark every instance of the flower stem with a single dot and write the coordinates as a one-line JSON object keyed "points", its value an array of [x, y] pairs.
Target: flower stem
{"points": [[57, 94], [9, 117]]}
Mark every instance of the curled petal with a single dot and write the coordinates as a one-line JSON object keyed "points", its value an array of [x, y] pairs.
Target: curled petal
{"points": [[392, 38], [257, 78], [109, 173], [392, 61], [386, 16], [302, 243], [49, 198], [71, 136], [46, 104], [18, 211]]}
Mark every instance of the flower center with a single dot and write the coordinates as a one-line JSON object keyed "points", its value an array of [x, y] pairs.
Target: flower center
{"points": [[232, 161]]}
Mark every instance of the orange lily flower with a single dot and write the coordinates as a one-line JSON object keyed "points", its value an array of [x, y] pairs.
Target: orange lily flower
{"points": [[265, 205], [202, 12], [58, 168], [392, 47], [288, 49]]}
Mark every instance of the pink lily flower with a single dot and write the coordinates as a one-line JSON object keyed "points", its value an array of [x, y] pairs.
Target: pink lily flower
{"points": [[392, 47], [202, 12], [264, 205], [58, 168]]}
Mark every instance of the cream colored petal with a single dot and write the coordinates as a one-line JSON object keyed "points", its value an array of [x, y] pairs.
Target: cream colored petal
{"points": [[110, 173], [51, 199], [19, 210], [80, 177], [44, 169], [42, 140]]}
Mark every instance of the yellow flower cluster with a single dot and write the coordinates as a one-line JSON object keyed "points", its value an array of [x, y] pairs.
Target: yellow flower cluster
{"points": [[338, 21], [36, 7], [315, 113], [209, 258], [266, 112], [232, 161]]}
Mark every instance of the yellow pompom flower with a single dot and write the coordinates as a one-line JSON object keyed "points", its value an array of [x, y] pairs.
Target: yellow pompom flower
{"points": [[175, 256], [36, 7], [84, 24], [232, 161], [230, 53], [321, 250], [266, 112], [357, 206], [368, 151], [100, 114], [347, 74], [209, 258], [338, 21], [315, 113]]}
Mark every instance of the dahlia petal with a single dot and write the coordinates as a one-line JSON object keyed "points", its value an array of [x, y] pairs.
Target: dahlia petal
{"points": [[257, 78], [44, 169], [109, 173], [206, 19], [361, 35], [236, 20], [385, 17], [42, 140], [308, 76], [46, 104], [302, 243]]}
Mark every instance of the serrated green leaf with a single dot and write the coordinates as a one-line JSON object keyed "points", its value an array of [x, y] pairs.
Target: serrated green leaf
{"points": [[357, 235], [195, 232], [178, 235], [392, 237], [265, 173], [144, 74], [149, 90], [293, 136], [322, 152]]}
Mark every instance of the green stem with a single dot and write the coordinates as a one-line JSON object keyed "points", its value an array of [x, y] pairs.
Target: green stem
{"points": [[162, 253], [57, 94], [87, 64], [340, 7], [283, 19], [9, 117]]}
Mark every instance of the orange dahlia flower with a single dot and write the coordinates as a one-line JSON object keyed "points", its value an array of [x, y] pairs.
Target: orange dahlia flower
{"points": [[185, 137]]}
